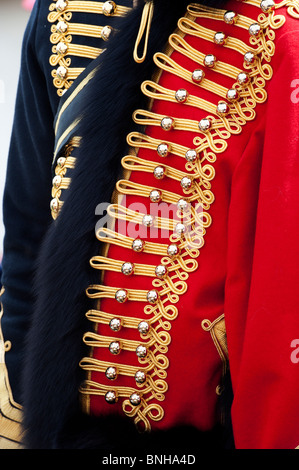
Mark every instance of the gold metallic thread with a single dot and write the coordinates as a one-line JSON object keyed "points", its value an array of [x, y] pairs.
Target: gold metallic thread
{"points": [[208, 144]]}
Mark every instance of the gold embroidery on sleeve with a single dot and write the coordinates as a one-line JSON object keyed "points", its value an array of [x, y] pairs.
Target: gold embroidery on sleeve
{"points": [[218, 333], [63, 30], [10, 411], [60, 181]]}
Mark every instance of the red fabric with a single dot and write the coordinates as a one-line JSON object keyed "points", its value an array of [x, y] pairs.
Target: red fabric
{"points": [[262, 318], [248, 267]]}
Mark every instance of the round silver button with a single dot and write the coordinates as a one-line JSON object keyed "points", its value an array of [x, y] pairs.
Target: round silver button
{"points": [[143, 327], [109, 8], [127, 268], [115, 324], [111, 373], [173, 250], [167, 123], [159, 172], [137, 245], [135, 399], [121, 296], [141, 351], [152, 296], [204, 125], [161, 271], [114, 347], [111, 397], [181, 95], [140, 377], [163, 150], [155, 195]]}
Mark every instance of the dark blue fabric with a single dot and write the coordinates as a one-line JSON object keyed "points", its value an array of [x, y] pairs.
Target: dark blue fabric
{"points": [[28, 185]]}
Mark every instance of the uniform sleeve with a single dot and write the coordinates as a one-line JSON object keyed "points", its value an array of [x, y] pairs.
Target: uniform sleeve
{"points": [[27, 190], [265, 375]]}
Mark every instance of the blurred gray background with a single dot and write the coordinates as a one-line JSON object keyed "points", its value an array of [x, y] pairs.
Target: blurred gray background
{"points": [[13, 20]]}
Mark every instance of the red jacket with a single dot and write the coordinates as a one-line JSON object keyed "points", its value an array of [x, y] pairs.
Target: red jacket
{"points": [[246, 264]]}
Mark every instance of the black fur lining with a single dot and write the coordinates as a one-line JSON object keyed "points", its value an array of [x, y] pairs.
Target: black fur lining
{"points": [[52, 418]]}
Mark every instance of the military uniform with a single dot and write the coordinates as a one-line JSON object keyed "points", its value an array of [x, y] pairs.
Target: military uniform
{"points": [[190, 276]]}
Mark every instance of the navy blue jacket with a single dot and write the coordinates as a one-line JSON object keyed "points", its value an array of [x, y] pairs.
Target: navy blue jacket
{"points": [[28, 185]]}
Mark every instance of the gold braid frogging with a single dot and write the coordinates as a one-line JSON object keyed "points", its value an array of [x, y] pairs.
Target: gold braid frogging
{"points": [[207, 144]]}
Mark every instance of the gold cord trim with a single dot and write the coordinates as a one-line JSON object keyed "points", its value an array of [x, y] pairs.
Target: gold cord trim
{"points": [[73, 95], [60, 181], [145, 26], [217, 330], [63, 30], [188, 227], [10, 412]]}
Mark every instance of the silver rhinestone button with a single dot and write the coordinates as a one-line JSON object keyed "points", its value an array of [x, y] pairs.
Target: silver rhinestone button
{"points": [[167, 123], [61, 48], [135, 399], [143, 327], [161, 271], [61, 27], [230, 17], [204, 125], [127, 268], [138, 245], [57, 181], [61, 72], [181, 95], [111, 373], [219, 38], [61, 162], [186, 182], [114, 347], [105, 33], [254, 30], [61, 5], [249, 58], [121, 296], [54, 205], [210, 61], [232, 95], [163, 149], [148, 220], [111, 397], [159, 172], [222, 108], [152, 296], [180, 229], [267, 5], [198, 75], [243, 79], [191, 155], [155, 195], [141, 351], [140, 377], [115, 324], [109, 8], [173, 250], [182, 204]]}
